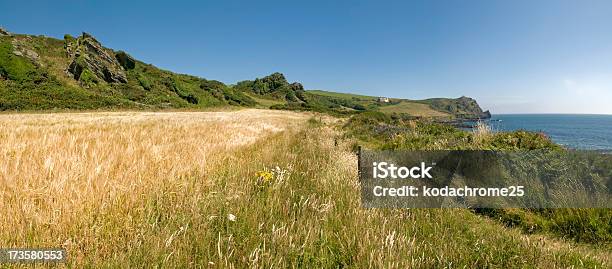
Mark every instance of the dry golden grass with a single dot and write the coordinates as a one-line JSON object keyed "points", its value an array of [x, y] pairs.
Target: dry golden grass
{"points": [[482, 132], [178, 190], [58, 171]]}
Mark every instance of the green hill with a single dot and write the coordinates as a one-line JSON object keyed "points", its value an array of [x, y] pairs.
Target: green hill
{"points": [[38, 72], [344, 95], [43, 73], [463, 107], [413, 108]]}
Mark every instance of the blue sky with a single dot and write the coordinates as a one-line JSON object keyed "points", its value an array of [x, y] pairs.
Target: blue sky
{"points": [[512, 56]]}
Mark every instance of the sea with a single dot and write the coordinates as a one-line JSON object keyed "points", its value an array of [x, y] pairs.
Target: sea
{"points": [[590, 132]]}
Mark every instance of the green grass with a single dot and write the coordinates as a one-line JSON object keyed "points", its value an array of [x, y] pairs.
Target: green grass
{"points": [[413, 109], [343, 95], [265, 102], [592, 226]]}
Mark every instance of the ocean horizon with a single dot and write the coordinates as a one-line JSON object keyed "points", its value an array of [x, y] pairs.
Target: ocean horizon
{"points": [[575, 131], [561, 114]]}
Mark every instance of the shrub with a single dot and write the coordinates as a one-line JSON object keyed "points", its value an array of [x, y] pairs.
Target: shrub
{"points": [[88, 79], [144, 82]]}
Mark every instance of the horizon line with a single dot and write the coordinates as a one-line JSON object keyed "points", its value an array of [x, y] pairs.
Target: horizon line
{"points": [[553, 113]]}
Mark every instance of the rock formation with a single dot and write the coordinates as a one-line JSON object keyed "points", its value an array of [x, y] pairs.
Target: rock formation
{"points": [[4, 32], [24, 49], [275, 86], [125, 60], [470, 107], [87, 53], [463, 107]]}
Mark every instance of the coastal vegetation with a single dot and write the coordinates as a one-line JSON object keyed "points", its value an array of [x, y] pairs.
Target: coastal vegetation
{"points": [[379, 130], [376, 130], [247, 187], [250, 188]]}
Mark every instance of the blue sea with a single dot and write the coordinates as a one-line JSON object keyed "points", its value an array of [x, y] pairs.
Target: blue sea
{"points": [[573, 131]]}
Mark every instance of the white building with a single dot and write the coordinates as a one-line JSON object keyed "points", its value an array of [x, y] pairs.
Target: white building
{"points": [[383, 99]]}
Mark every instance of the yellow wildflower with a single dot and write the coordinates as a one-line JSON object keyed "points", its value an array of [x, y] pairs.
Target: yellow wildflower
{"points": [[264, 176]]}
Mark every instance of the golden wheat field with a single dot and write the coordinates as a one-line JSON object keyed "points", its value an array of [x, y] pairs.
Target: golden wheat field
{"points": [[58, 170], [240, 189]]}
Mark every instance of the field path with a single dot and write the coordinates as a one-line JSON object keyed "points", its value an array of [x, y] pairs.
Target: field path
{"points": [[184, 189]]}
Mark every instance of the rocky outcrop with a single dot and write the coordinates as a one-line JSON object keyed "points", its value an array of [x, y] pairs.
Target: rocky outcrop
{"points": [[275, 85], [88, 55], [486, 115], [22, 47], [462, 108], [125, 60], [470, 108], [296, 86], [4, 32]]}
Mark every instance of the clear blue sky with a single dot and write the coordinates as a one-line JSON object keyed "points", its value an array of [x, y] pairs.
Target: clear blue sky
{"points": [[512, 56]]}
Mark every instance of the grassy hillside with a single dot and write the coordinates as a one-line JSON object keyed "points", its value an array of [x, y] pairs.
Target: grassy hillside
{"points": [[264, 102], [463, 107], [26, 85], [41, 73], [413, 108], [78, 73], [342, 95], [440, 108]]}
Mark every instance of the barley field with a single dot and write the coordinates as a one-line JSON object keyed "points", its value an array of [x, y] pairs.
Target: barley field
{"points": [[61, 172], [240, 189]]}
